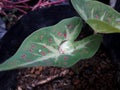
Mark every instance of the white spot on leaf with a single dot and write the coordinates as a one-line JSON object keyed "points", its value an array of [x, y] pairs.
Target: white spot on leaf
{"points": [[66, 47]]}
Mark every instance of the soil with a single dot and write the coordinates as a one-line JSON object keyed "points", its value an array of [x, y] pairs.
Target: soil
{"points": [[96, 73]]}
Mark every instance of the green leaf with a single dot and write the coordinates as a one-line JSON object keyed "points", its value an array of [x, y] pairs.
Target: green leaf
{"points": [[42, 46], [102, 18], [54, 46]]}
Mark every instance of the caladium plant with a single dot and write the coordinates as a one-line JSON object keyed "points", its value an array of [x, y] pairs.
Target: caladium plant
{"points": [[57, 46], [102, 18], [54, 46]]}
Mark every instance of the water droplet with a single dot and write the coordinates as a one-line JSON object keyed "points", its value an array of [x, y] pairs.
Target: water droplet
{"points": [[39, 50]]}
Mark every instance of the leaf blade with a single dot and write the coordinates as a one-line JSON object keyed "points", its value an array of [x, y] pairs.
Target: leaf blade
{"points": [[42, 48], [92, 10]]}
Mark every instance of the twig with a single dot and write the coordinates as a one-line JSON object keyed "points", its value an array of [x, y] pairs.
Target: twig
{"points": [[9, 5], [18, 2], [49, 79], [42, 3]]}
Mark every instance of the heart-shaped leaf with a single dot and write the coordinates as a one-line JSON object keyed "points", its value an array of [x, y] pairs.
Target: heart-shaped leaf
{"points": [[102, 18], [54, 46]]}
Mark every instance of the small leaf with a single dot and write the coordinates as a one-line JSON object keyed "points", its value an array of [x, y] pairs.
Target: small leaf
{"points": [[102, 27], [102, 18]]}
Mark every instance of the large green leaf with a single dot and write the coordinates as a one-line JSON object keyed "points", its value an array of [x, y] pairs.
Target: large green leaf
{"points": [[102, 18], [54, 46]]}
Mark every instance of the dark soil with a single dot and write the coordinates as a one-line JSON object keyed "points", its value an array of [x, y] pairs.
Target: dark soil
{"points": [[96, 73]]}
